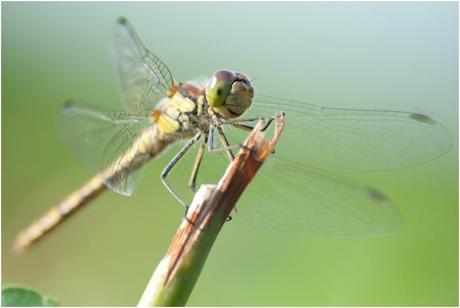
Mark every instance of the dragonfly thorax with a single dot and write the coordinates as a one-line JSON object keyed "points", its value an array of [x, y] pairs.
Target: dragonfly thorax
{"points": [[183, 113]]}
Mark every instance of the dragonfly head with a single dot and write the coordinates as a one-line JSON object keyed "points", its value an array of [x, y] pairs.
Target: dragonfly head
{"points": [[229, 93]]}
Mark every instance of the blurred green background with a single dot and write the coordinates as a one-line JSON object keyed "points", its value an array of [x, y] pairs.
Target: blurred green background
{"points": [[390, 55]]}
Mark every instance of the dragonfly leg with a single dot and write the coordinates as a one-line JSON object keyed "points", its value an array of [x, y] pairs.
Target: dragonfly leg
{"points": [[173, 162], [250, 128], [227, 147], [243, 120], [236, 123], [243, 126], [224, 141], [196, 165]]}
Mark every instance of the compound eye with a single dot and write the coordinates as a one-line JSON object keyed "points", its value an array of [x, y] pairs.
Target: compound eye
{"points": [[219, 86]]}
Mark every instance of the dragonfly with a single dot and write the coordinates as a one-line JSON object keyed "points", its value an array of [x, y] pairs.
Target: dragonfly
{"points": [[301, 188]]}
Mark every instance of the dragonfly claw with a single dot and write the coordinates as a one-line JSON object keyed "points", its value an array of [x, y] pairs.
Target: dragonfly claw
{"points": [[267, 125]]}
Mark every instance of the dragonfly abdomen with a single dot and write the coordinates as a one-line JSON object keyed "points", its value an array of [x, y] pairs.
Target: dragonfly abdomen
{"points": [[56, 215], [146, 146]]}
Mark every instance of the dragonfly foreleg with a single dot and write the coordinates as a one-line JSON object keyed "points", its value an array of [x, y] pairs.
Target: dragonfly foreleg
{"points": [[213, 149], [224, 141], [250, 128], [243, 120], [173, 162], [242, 126], [196, 165], [236, 123]]}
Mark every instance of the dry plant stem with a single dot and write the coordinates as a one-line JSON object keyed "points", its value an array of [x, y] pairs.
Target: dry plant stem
{"points": [[174, 278]]}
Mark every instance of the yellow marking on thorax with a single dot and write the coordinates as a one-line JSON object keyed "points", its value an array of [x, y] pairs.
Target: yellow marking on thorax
{"points": [[171, 113], [200, 105]]}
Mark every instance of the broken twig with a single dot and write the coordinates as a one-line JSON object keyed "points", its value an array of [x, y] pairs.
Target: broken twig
{"points": [[175, 276]]}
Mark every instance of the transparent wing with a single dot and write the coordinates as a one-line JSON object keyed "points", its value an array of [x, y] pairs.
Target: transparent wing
{"points": [[144, 78], [99, 137], [354, 139], [290, 197]]}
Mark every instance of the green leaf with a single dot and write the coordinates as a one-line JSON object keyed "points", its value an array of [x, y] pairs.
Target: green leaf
{"points": [[16, 296], [50, 302]]}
